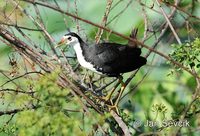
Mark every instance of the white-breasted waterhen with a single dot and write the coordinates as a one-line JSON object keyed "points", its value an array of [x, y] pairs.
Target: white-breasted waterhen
{"points": [[110, 59]]}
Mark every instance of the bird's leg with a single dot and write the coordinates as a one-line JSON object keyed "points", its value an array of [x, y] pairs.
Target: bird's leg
{"points": [[107, 98], [84, 77], [123, 86]]}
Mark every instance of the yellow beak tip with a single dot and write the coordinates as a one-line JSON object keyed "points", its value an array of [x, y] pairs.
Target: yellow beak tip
{"points": [[59, 44]]}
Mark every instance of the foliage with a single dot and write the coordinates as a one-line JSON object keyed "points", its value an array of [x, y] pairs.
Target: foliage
{"points": [[49, 112], [187, 54]]}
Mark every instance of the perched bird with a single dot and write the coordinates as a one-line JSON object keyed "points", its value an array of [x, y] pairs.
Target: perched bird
{"points": [[110, 59]]}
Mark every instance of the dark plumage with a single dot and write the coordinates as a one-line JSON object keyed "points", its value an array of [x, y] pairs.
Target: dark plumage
{"points": [[110, 59]]}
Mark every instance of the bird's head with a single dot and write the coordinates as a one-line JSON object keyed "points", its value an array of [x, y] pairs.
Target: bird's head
{"points": [[69, 39]]}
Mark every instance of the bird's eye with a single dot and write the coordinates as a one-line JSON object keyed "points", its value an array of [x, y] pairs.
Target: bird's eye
{"points": [[69, 38]]}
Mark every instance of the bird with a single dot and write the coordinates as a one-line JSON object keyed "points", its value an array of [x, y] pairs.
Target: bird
{"points": [[106, 58]]}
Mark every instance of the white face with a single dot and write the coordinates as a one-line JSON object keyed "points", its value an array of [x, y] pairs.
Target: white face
{"points": [[68, 40]]}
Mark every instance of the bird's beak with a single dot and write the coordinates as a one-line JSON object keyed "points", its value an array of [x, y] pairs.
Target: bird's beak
{"points": [[62, 41]]}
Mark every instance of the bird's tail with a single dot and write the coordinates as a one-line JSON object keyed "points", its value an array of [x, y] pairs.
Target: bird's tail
{"points": [[133, 35]]}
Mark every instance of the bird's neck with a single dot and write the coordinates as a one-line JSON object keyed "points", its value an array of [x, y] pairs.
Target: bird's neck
{"points": [[80, 48]]}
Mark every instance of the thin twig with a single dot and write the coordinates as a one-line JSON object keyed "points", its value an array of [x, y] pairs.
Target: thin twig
{"points": [[170, 25], [39, 25], [14, 111], [104, 20], [15, 90], [182, 10], [121, 12], [21, 27], [27, 73]]}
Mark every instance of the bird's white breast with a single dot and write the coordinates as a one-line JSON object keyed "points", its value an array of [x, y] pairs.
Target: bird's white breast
{"points": [[81, 58]]}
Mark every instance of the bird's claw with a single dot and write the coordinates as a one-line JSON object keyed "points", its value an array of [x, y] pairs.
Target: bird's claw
{"points": [[114, 108]]}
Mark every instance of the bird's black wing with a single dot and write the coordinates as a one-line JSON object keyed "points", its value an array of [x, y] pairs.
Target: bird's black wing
{"points": [[105, 53], [112, 58], [111, 53]]}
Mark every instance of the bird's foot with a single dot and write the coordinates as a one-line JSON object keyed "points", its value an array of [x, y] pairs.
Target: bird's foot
{"points": [[112, 104], [114, 108], [107, 100]]}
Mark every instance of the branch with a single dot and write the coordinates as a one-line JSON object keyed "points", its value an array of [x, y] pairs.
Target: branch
{"points": [[11, 112], [16, 91], [41, 26], [21, 27], [121, 123], [27, 73], [170, 25], [180, 9], [122, 11], [104, 20]]}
